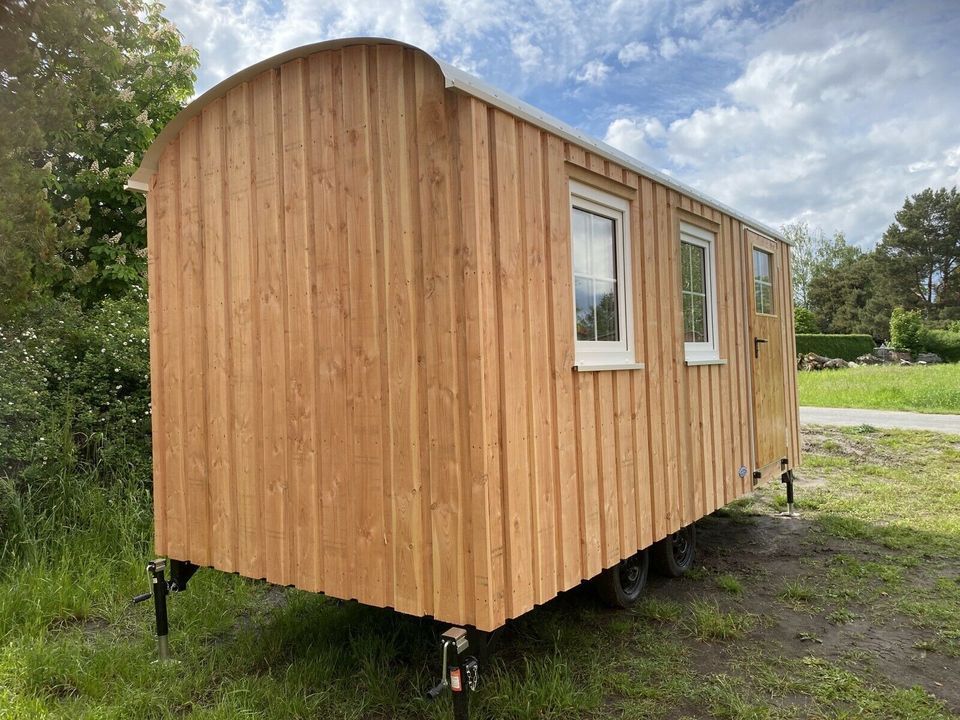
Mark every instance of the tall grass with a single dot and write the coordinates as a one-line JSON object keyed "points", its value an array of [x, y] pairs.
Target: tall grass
{"points": [[930, 389]]}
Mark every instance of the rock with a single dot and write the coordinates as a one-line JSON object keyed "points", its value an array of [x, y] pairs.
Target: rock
{"points": [[834, 364], [929, 359], [871, 359], [904, 363], [812, 361]]}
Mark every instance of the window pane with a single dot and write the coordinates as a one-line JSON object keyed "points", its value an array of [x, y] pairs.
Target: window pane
{"points": [[692, 266], [606, 311], [586, 320], [761, 266], [581, 242], [697, 281], [688, 333], [699, 323], [766, 292], [757, 297], [604, 248]]}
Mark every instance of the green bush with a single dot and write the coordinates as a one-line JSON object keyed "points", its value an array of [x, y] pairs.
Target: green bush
{"points": [[74, 411], [944, 343], [804, 321], [848, 347], [906, 330]]}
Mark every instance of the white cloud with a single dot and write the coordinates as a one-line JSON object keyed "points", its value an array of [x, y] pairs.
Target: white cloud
{"points": [[669, 48], [529, 55], [594, 72], [642, 138], [836, 128], [633, 52]]}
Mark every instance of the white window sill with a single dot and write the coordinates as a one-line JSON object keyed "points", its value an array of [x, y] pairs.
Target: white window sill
{"points": [[705, 361], [599, 367]]}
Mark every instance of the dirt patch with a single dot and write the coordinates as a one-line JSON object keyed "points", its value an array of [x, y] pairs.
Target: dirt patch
{"points": [[767, 553]]}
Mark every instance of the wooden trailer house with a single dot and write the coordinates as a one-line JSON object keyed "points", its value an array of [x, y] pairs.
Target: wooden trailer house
{"points": [[416, 343]]}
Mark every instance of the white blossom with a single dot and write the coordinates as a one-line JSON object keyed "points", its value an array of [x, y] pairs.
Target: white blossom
{"points": [[128, 160], [142, 118], [126, 95], [95, 166]]}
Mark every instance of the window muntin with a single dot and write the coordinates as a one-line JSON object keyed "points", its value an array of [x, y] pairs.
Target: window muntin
{"points": [[698, 292], [599, 225], [763, 282]]}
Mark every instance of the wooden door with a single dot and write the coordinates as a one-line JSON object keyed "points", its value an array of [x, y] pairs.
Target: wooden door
{"points": [[766, 328]]}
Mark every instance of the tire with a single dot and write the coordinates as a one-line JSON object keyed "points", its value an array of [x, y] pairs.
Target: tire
{"points": [[675, 554], [622, 585]]}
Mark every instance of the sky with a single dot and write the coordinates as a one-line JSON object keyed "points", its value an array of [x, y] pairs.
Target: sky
{"points": [[828, 112]]}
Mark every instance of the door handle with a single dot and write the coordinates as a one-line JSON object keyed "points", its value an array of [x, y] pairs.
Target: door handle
{"points": [[756, 346]]}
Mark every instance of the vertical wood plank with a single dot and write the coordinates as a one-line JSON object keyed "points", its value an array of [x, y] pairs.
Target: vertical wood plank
{"points": [[171, 338], [400, 231], [560, 291], [591, 529], [216, 371], [300, 346], [625, 455], [513, 410], [479, 334], [442, 333], [271, 300], [194, 347], [158, 207], [655, 373], [539, 388], [364, 391], [332, 329], [243, 319], [607, 466]]}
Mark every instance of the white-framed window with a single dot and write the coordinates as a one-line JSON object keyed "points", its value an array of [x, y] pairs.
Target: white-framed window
{"points": [[602, 293], [698, 283]]}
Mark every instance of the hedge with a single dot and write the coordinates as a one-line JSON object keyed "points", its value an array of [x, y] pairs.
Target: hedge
{"points": [[848, 347], [944, 343]]}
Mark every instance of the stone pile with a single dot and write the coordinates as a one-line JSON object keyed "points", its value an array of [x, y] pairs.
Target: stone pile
{"points": [[880, 356]]}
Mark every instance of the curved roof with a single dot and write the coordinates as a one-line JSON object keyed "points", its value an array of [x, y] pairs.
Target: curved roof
{"points": [[454, 78]]}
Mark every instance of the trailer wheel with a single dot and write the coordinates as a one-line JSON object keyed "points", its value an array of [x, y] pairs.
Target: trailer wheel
{"points": [[621, 585], [674, 555]]}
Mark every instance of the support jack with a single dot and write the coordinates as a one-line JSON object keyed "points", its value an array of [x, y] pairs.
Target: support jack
{"points": [[461, 673], [787, 479], [180, 574]]}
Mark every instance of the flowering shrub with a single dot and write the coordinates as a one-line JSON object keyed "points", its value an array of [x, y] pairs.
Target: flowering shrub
{"points": [[74, 402]]}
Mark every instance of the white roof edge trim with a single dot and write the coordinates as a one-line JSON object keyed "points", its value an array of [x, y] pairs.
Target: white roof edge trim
{"points": [[456, 79]]}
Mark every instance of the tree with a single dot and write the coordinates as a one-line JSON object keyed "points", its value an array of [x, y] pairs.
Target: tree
{"points": [[921, 252], [813, 254], [85, 85], [853, 297]]}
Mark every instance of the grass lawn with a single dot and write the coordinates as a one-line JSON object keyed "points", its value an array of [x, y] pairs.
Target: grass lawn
{"points": [[852, 611], [931, 388]]}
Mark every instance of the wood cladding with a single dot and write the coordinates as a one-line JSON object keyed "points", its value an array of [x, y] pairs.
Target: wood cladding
{"points": [[362, 349]]}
